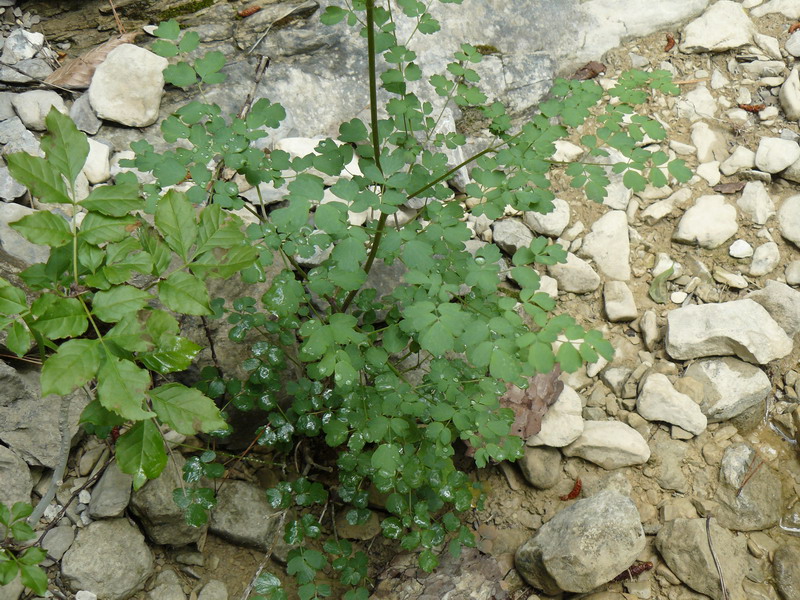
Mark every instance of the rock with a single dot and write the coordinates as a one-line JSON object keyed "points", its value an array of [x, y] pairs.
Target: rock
{"points": [[57, 541], [97, 168], [26, 71], [111, 495], [12, 590], [710, 172], [110, 558], [792, 273], [127, 86], [363, 531], [782, 303], [608, 245], [683, 544], [659, 401], [541, 466], [619, 303], [741, 328], [709, 223], [697, 104], [789, 8], [765, 258], [576, 275], [669, 456], [610, 444], [755, 202], [511, 235], [10, 189], [724, 26], [82, 113], [789, 94], [730, 387], [551, 224], [605, 526], [741, 158], [789, 219], [740, 249], [160, 517], [244, 516], [749, 493], [213, 590], [786, 568], [32, 107], [775, 154], [13, 243], [167, 587], [21, 404], [651, 333], [18, 139], [710, 143], [15, 478], [562, 423], [21, 45]]}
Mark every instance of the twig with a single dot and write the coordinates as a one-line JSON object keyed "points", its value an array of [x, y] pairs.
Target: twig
{"points": [[716, 561], [689, 81], [267, 556], [37, 79], [750, 472], [120, 26], [61, 466]]}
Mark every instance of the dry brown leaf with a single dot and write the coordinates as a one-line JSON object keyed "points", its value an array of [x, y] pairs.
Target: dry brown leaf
{"points": [[729, 188], [531, 404], [589, 71], [77, 73]]}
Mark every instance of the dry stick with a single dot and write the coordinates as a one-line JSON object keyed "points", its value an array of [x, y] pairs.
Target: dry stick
{"points": [[37, 79], [267, 556], [63, 456], [751, 471], [716, 562], [120, 27]]}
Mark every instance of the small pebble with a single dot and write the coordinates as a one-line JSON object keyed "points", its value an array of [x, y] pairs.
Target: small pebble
{"points": [[84, 497], [740, 249], [678, 297]]}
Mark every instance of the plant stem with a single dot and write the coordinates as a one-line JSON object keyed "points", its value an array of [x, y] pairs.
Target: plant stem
{"points": [[373, 84]]}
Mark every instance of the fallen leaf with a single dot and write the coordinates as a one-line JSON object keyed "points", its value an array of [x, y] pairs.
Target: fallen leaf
{"points": [[531, 404], [729, 188], [76, 74], [589, 71]]}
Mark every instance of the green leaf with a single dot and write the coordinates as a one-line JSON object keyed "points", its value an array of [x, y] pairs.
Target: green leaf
{"points": [[634, 181], [75, 363], [428, 561], [113, 305], [215, 232], [168, 30], [42, 179], [59, 317], [114, 200], [43, 227], [97, 228], [140, 452], [33, 577], [164, 48], [8, 569], [658, 287], [180, 75], [20, 510], [569, 358], [175, 219], [65, 147], [209, 65], [679, 170], [121, 386], [186, 410], [173, 354], [184, 293], [19, 338], [189, 41], [12, 299], [386, 459]]}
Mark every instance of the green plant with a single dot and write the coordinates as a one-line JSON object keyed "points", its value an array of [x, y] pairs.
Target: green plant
{"points": [[14, 556], [390, 381]]}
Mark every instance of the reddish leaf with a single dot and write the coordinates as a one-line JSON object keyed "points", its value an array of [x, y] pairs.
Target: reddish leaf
{"points": [[590, 70], [531, 404]]}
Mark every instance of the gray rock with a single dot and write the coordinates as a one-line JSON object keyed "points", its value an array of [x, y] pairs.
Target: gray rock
{"points": [[10, 188], [669, 456], [708, 224], [730, 387], [551, 224], [82, 113], [786, 568], [605, 527], [659, 401], [160, 517], [775, 154], [789, 94], [749, 493], [789, 219], [619, 302], [26, 71], [722, 27], [15, 478], [562, 423], [741, 328], [110, 558], [21, 45], [32, 107], [788, 8], [214, 590], [755, 202], [541, 466], [712, 145], [57, 541], [127, 87], [782, 303], [6, 108], [111, 495], [167, 587], [765, 259], [683, 544], [511, 235], [243, 515], [16, 138], [576, 275], [610, 444], [21, 404], [792, 273], [13, 590], [608, 245]]}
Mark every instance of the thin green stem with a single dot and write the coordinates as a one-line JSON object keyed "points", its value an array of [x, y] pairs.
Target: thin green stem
{"points": [[373, 84]]}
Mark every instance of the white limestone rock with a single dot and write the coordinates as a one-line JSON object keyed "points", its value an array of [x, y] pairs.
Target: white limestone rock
{"points": [[609, 246], [619, 302], [741, 158], [755, 202], [775, 154], [730, 386], [610, 444], [788, 8], [792, 273], [21, 45], [709, 223], [562, 423], [576, 275], [740, 328], [658, 400], [724, 26], [789, 219], [793, 47], [710, 143], [567, 151], [127, 86], [511, 235], [551, 224], [782, 303], [789, 94], [710, 172], [765, 258], [32, 107], [97, 168], [698, 103], [740, 249]]}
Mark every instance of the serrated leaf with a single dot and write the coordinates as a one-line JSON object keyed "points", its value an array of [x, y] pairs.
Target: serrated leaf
{"points": [[121, 386], [39, 176], [33, 577], [19, 338], [140, 452], [98, 229], [114, 200], [12, 299], [43, 227], [184, 293], [186, 410], [215, 231], [173, 354], [175, 219], [75, 363], [116, 303], [65, 147], [59, 317]]}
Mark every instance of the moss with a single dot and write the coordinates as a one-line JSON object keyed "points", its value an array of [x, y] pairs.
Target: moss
{"points": [[184, 9], [487, 49]]}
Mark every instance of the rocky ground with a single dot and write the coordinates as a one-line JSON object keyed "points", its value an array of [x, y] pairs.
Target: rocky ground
{"points": [[684, 445]]}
